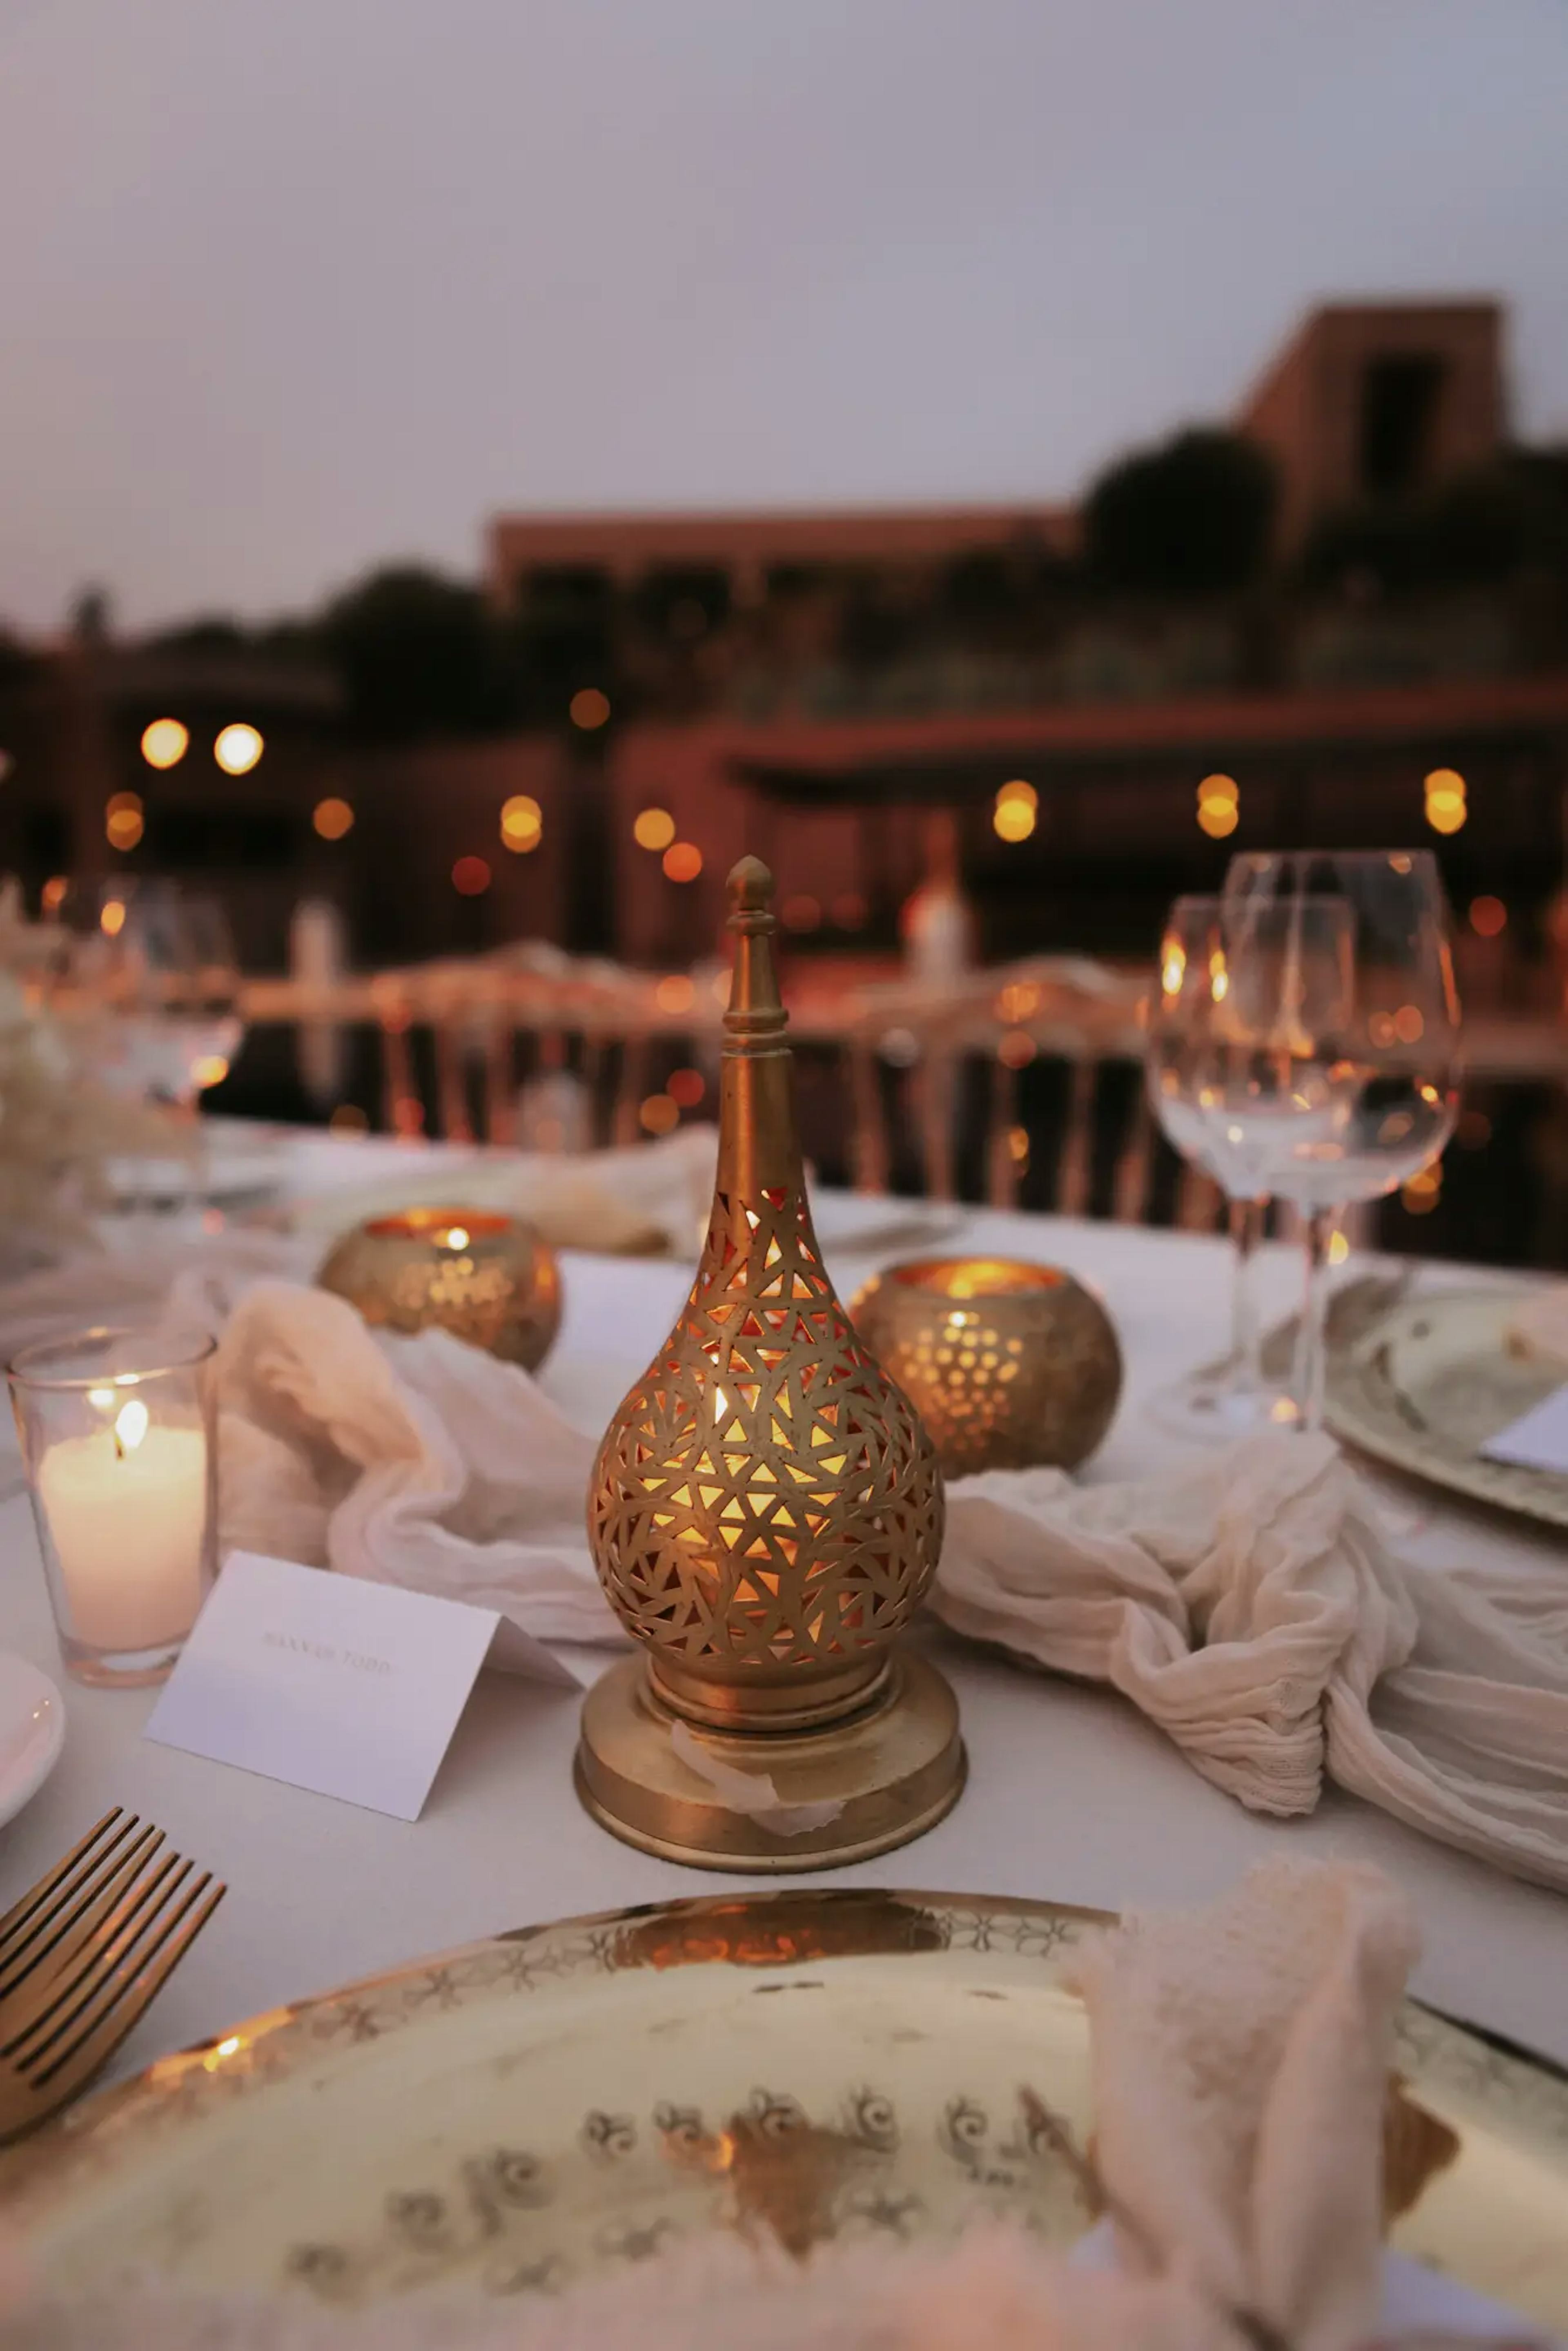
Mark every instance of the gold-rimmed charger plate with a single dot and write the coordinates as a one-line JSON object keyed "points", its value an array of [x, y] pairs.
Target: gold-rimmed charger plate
{"points": [[1431, 1381], [556, 2103]]}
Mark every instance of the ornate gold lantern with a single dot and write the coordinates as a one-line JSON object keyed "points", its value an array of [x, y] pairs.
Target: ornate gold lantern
{"points": [[766, 1514], [489, 1279], [1009, 1364]]}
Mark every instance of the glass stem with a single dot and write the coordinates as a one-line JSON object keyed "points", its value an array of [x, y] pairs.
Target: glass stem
{"points": [[1322, 1224], [1247, 1221]]}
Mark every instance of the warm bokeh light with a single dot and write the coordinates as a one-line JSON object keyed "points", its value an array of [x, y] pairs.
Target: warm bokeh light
{"points": [[654, 829], [54, 893], [1218, 818], [675, 994], [522, 825], [801, 911], [1421, 1194], [1173, 968], [332, 818], [1409, 1025], [237, 750], [686, 1087], [659, 1114], [1014, 819], [683, 861], [471, 877], [1446, 808], [211, 1069], [1019, 1000], [1338, 1248], [166, 743], [590, 708], [1018, 790], [1489, 917], [111, 917], [1016, 1049], [123, 824], [348, 1119], [1018, 1146], [1220, 787]]}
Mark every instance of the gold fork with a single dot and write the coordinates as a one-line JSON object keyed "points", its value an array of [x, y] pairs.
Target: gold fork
{"points": [[81, 1955]]}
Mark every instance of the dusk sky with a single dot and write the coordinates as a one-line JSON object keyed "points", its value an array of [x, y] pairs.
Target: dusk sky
{"points": [[292, 287]]}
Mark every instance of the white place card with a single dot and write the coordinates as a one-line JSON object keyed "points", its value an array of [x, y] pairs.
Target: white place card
{"points": [[351, 1688], [1538, 1440]]}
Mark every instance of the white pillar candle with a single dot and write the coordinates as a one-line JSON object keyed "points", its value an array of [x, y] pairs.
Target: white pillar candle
{"points": [[127, 1512]]}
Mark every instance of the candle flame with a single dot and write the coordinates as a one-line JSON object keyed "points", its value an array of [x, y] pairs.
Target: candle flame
{"points": [[130, 1427]]}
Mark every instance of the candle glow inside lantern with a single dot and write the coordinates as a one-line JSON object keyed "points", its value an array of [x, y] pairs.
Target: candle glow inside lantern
{"points": [[766, 1514], [116, 1437]]}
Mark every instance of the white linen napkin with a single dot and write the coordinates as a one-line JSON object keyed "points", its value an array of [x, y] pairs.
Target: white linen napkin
{"points": [[1249, 1606], [420, 1462], [1240, 2054], [641, 1199]]}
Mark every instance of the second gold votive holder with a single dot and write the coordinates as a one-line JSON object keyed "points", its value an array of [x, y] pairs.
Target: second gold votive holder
{"points": [[488, 1278], [1011, 1365]]}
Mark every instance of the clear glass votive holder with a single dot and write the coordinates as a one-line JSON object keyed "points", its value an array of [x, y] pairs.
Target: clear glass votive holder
{"points": [[118, 1438]]}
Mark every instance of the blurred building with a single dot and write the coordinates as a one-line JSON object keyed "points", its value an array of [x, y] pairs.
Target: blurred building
{"points": [[1378, 399]]}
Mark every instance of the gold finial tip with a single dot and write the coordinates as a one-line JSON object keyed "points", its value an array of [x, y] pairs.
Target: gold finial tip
{"points": [[750, 886]]}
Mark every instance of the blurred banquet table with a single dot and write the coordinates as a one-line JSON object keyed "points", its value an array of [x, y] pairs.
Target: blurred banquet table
{"points": [[1071, 1796]]}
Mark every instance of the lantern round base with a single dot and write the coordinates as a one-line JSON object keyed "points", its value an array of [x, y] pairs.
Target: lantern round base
{"points": [[853, 1789]]}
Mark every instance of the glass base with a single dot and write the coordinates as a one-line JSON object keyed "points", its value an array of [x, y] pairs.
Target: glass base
{"points": [[118, 1668], [1204, 1410]]}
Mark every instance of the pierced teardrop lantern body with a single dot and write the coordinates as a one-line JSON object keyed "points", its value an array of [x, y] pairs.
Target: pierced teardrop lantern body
{"points": [[766, 1514]]}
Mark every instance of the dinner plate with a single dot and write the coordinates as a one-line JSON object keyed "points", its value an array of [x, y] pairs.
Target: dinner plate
{"points": [[32, 1732], [559, 2101], [1431, 1381]]}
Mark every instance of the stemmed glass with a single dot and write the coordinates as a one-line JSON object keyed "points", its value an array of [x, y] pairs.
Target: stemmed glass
{"points": [[1184, 1005], [1337, 1077], [147, 977]]}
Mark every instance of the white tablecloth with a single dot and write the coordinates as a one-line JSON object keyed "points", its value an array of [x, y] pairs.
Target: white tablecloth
{"points": [[1071, 1796]]}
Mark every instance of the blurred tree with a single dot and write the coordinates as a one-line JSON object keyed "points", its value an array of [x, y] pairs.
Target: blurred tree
{"points": [[560, 637], [1485, 528], [1192, 517], [215, 633], [419, 656]]}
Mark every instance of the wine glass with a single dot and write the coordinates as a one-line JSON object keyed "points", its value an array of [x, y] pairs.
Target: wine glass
{"points": [[147, 978], [1181, 1043], [1339, 1071]]}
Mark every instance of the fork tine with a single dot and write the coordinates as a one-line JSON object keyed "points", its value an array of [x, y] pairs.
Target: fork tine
{"points": [[109, 1929], [109, 1961], [100, 2034], [77, 1914], [22, 1913]]}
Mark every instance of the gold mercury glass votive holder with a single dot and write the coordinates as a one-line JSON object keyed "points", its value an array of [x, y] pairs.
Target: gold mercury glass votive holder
{"points": [[117, 1435], [487, 1278], [1010, 1366]]}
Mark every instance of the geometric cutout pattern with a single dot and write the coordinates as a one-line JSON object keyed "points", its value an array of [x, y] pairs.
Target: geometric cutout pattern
{"points": [[1002, 1380], [766, 1495]]}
